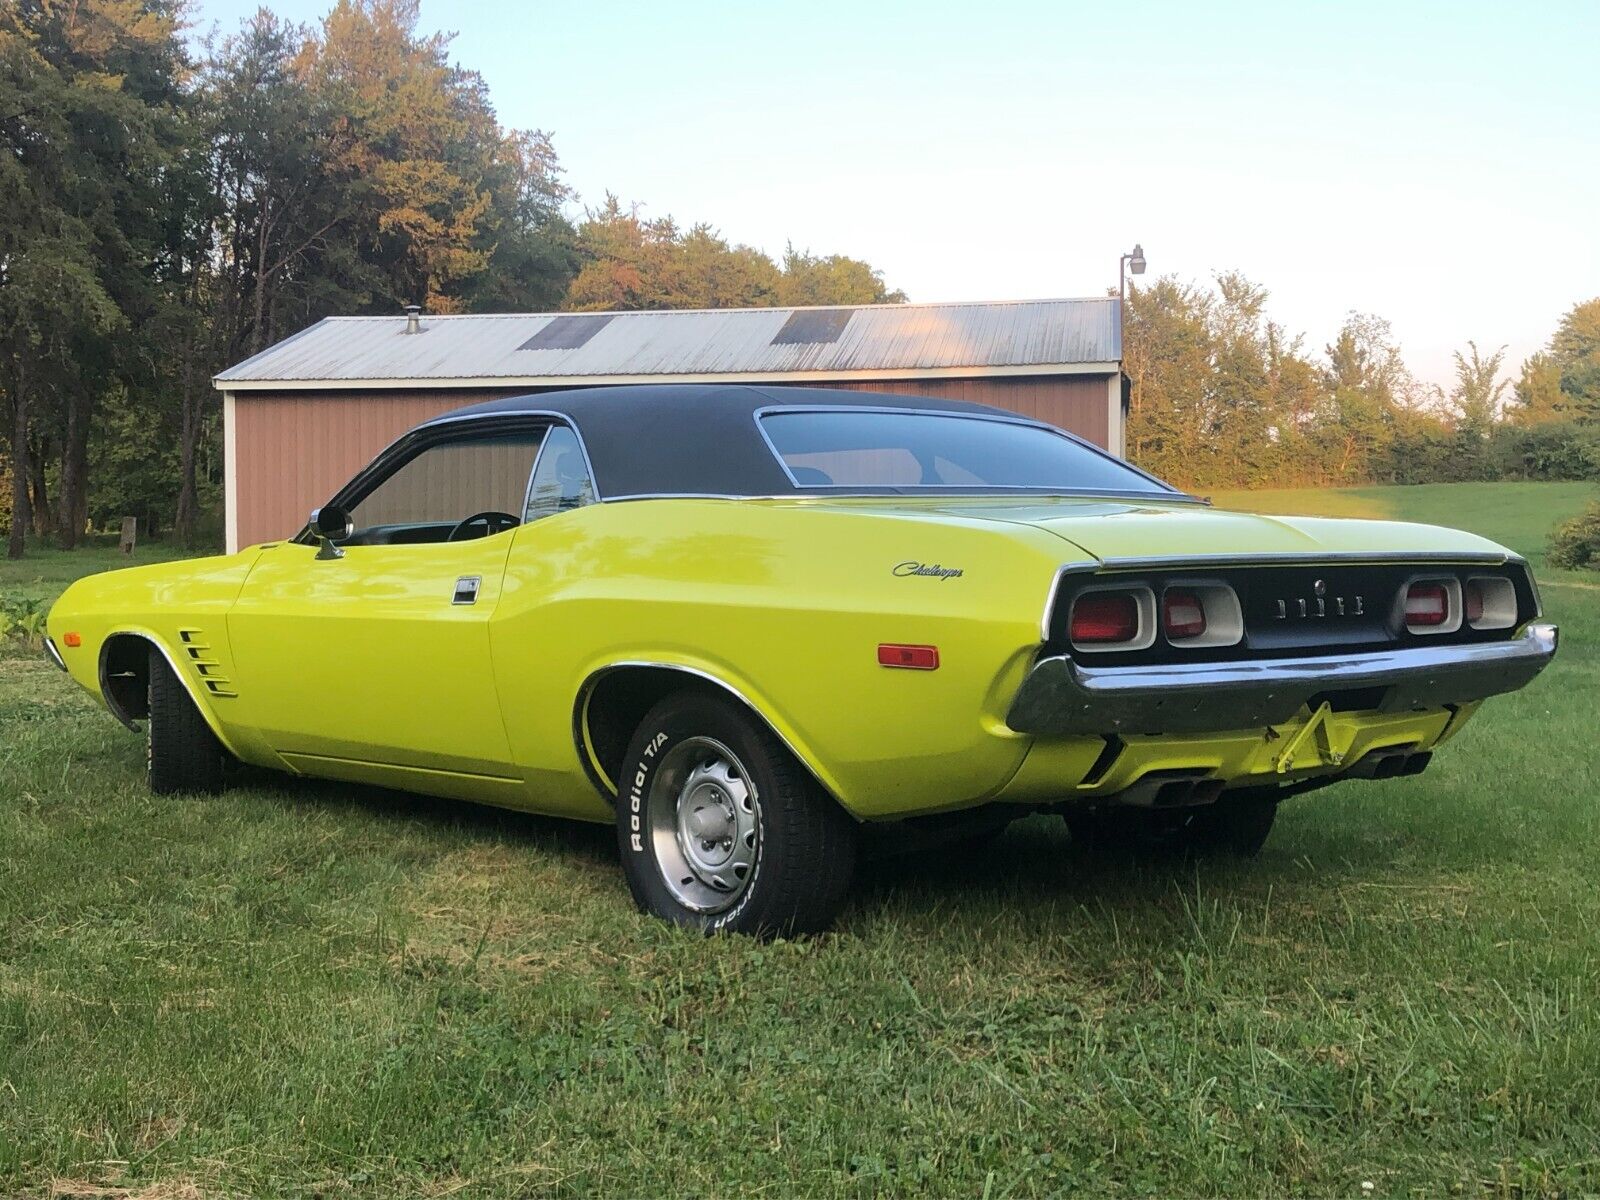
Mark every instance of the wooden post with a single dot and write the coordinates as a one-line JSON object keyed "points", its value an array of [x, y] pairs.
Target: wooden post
{"points": [[130, 533]]}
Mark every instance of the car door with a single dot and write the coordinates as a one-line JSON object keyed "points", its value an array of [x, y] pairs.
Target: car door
{"points": [[378, 653]]}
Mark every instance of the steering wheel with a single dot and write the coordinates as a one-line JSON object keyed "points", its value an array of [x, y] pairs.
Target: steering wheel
{"points": [[492, 521]]}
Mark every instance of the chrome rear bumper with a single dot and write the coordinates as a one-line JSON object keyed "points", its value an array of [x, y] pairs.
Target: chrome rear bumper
{"points": [[1060, 696]]}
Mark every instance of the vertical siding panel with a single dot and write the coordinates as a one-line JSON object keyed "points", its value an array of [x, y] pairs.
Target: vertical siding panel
{"points": [[297, 448]]}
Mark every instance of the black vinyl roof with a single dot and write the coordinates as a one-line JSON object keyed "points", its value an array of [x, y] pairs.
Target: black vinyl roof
{"points": [[691, 439]]}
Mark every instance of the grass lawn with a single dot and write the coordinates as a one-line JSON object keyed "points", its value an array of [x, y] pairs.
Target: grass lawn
{"points": [[299, 989]]}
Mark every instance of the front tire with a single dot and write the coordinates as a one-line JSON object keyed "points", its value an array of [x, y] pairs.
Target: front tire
{"points": [[722, 830], [183, 754]]}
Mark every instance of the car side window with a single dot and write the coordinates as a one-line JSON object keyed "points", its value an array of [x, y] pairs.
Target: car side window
{"points": [[561, 480], [448, 482]]}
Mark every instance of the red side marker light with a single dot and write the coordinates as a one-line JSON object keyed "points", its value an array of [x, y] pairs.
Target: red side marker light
{"points": [[1427, 604], [1105, 617], [911, 658], [72, 640], [1182, 615]]}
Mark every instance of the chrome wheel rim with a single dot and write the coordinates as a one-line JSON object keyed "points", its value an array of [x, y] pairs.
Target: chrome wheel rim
{"points": [[705, 825]]}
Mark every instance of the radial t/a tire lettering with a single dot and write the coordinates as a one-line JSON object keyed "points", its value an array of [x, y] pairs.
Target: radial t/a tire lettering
{"points": [[722, 830]]}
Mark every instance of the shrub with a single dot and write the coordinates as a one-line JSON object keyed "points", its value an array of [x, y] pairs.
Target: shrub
{"points": [[1575, 543], [1556, 450], [22, 618]]}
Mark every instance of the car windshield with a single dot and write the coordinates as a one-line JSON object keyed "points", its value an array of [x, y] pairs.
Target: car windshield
{"points": [[875, 449]]}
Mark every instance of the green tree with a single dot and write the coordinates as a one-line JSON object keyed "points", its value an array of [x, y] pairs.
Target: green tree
{"points": [[530, 247], [1576, 349], [630, 262], [810, 279], [1537, 396], [86, 90], [1478, 390]]}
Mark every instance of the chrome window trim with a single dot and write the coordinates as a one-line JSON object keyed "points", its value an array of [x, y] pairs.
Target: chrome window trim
{"points": [[533, 473], [542, 419], [550, 417], [922, 492], [1166, 490]]}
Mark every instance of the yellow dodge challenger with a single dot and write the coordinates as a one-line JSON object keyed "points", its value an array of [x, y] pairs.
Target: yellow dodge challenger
{"points": [[743, 623]]}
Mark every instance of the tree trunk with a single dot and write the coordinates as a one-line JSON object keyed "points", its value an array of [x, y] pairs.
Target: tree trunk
{"points": [[20, 514], [188, 447], [39, 457], [75, 470], [258, 331]]}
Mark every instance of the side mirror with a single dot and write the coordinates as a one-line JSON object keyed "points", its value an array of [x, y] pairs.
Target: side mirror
{"points": [[332, 524]]}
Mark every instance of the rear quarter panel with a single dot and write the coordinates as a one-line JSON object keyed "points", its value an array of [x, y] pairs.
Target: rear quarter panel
{"points": [[787, 603]]}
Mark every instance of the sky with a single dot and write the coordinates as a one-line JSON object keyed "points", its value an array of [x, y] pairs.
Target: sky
{"points": [[1437, 164]]}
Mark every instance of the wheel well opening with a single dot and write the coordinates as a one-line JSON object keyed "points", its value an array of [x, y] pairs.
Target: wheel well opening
{"points": [[125, 676], [614, 706]]}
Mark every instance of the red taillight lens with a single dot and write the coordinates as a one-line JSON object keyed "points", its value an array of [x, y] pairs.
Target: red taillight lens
{"points": [[1182, 615], [1102, 617], [1427, 604], [1474, 601]]}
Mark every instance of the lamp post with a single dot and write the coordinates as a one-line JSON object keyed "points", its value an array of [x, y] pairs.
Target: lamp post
{"points": [[1129, 262], [1134, 262]]}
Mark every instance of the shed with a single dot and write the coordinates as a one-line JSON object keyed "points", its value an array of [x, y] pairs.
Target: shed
{"points": [[304, 415]]}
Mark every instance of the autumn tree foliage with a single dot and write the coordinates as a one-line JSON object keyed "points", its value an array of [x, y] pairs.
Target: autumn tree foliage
{"points": [[166, 210], [630, 262], [1222, 396]]}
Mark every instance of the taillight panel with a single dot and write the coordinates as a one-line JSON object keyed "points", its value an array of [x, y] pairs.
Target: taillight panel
{"points": [[1285, 609], [1183, 615], [1201, 615], [1431, 606], [1112, 619], [1490, 602]]}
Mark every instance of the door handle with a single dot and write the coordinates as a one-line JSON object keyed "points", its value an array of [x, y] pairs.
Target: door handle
{"points": [[467, 589]]}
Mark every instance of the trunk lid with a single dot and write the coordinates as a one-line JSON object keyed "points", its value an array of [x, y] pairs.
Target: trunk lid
{"points": [[1121, 529]]}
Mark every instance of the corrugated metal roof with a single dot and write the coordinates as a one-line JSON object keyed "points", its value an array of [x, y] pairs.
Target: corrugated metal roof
{"points": [[915, 339]]}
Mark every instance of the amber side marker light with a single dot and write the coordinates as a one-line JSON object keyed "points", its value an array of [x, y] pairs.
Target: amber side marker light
{"points": [[72, 640], [911, 658]]}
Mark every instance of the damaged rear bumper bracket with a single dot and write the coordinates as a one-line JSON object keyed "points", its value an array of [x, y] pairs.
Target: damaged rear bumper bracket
{"points": [[1060, 696]]}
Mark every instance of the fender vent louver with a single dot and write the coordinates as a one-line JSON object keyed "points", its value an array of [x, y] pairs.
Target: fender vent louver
{"points": [[206, 668]]}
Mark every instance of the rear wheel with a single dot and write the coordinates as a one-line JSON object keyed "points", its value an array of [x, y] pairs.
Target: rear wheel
{"points": [[183, 754], [722, 830]]}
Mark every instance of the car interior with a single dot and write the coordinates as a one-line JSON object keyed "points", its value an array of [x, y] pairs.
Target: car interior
{"points": [[473, 486]]}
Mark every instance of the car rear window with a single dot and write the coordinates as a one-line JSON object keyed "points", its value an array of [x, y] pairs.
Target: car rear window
{"points": [[876, 449]]}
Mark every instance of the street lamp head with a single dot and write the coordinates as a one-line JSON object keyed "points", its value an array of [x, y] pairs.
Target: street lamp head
{"points": [[1136, 260]]}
